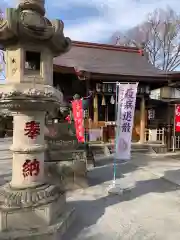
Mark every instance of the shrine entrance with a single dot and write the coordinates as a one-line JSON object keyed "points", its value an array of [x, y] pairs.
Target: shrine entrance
{"points": [[102, 112], [97, 67]]}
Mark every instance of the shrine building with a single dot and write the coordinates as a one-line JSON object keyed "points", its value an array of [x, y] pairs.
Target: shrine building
{"points": [[92, 67], [97, 67]]}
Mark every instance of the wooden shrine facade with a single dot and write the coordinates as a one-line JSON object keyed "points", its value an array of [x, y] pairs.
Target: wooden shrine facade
{"points": [[95, 68]]}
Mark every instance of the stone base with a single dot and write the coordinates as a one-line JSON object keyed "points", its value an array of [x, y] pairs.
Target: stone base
{"points": [[33, 213], [13, 198], [54, 231], [30, 208], [32, 217]]}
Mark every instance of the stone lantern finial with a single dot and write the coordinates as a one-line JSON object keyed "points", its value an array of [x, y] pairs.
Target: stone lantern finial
{"points": [[36, 5], [27, 24]]}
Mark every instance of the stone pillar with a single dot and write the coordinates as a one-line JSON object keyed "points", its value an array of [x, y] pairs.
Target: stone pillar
{"points": [[142, 120], [95, 109], [31, 201], [28, 149]]}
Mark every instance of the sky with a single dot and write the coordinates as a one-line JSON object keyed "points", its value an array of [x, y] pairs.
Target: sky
{"points": [[97, 20]]}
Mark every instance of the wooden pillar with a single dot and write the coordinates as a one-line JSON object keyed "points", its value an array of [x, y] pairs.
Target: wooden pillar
{"points": [[169, 128], [86, 120], [142, 120], [95, 105]]}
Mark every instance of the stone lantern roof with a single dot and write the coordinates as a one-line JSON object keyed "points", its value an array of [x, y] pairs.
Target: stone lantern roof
{"points": [[27, 23]]}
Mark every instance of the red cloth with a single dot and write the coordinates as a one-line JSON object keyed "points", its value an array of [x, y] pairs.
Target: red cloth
{"points": [[68, 118], [177, 118], [77, 108]]}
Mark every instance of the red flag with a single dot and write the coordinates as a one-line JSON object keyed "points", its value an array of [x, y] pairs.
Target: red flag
{"points": [[68, 118], [77, 107], [177, 117]]}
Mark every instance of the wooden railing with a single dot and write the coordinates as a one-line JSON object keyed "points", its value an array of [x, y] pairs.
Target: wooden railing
{"points": [[155, 135], [175, 143]]}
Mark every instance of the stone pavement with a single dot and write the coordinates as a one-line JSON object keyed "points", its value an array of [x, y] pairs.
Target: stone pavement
{"points": [[150, 210], [166, 166], [131, 216]]}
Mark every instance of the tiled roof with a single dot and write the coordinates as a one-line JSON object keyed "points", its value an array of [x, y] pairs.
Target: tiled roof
{"points": [[108, 59]]}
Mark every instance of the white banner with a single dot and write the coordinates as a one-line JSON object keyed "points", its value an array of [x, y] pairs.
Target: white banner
{"points": [[125, 118]]}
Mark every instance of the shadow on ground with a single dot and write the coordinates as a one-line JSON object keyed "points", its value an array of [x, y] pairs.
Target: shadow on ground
{"points": [[87, 214], [90, 211], [173, 176], [149, 186], [104, 171]]}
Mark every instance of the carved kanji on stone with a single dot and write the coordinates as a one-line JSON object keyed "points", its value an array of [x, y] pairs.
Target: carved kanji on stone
{"points": [[30, 168], [32, 129]]}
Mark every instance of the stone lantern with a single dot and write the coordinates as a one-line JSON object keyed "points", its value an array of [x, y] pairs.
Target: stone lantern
{"points": [[30, 208]]}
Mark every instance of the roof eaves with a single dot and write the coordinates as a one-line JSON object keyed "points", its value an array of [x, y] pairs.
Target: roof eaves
{"points": [[115, 76], [106, 47]]}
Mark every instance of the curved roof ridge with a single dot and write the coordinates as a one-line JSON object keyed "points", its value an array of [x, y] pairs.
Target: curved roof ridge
{"points": [[107, 47]]}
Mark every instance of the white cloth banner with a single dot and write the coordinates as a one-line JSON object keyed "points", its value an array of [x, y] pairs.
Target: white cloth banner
{"points": [[125, 118]]}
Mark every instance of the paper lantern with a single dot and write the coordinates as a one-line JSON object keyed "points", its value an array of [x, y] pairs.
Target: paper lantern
{"points": [[103, 101], [95, 101], [112, 101]]}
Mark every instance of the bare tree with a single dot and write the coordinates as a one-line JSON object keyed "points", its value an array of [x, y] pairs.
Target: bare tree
{"points": [[159, 36]]}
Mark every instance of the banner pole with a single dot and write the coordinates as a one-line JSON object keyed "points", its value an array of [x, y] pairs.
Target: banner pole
{"points": [[116, 188], [121, 130], [116, 134]]}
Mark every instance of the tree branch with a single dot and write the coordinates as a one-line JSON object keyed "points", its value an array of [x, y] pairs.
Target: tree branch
{"points": [[160, 35]]}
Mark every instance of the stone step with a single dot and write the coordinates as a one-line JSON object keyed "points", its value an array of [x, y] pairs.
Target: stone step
{"points": [[5, 144], [4, 147], [134, 148], [108, 149], [5, 155], [97, 150], [159, 149], [139, 146]]}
